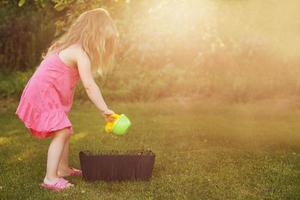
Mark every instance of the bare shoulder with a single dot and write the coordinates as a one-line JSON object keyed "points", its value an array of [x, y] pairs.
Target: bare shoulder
{"points": [[73, 55], [80, 54]]}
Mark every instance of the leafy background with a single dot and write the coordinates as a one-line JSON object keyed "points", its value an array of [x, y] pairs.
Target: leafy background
{"points": [[238, 51]]}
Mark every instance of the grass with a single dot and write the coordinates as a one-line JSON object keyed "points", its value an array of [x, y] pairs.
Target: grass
{"points": [[205, 149]]}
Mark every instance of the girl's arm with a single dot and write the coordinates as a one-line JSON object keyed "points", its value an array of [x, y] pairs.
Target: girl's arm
{"points": [[92, 89]]}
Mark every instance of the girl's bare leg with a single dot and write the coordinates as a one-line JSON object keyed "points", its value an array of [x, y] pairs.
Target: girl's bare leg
{"points": [[63, 167], [64, 160], [54, 155]]}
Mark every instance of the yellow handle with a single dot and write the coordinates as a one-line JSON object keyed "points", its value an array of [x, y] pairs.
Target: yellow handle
{"points": [[109, 125], [115, 116]]}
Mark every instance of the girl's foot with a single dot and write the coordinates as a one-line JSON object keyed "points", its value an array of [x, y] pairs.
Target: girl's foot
{"points": [[57, 184], [69, 172]]}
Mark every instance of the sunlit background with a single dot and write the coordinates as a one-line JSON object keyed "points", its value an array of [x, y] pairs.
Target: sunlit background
{"points": [[233, 49]]}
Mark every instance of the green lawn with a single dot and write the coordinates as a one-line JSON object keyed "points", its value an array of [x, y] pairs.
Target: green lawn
{"points": [[204, 150]]}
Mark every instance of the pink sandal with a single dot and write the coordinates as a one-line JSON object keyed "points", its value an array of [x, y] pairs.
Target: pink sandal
{"points": [[61, 184], [76, 172]]}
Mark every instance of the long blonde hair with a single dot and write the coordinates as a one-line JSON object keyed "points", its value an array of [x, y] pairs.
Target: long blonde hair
{"points": [[97, 34]]}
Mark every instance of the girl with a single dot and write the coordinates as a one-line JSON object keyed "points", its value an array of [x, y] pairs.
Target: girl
{"points": [[83, 51]]}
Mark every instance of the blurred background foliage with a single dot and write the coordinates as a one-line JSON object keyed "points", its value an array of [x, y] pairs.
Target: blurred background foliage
{"points": [[235, 50]]}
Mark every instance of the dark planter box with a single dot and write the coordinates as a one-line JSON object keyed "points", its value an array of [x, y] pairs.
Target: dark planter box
{"points": [[117, 166]]}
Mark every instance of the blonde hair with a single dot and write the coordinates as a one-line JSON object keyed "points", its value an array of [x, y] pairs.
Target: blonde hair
{"points": [[97, 34]]}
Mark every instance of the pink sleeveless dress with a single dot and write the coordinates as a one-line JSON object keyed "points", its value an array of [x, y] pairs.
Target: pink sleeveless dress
{"points": [[48, 96]]}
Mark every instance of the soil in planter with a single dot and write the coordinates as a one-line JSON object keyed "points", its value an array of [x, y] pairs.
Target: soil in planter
{"points": [[116, 165], [113, 152]]}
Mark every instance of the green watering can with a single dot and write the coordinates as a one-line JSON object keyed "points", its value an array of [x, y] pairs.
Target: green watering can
{"points": [[119, 125]]}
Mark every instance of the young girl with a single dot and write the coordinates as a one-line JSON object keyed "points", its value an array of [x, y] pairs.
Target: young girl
{"points": [[83, 51]]}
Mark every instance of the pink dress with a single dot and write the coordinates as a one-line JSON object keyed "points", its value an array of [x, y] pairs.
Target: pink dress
{"points": [[48, 96]]}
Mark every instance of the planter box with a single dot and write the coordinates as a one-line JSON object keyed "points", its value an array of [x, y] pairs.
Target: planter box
{"points": [[117, 166]]}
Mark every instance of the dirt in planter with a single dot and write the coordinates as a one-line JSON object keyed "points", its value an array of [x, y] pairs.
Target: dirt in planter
{"points": [[113, 152]]}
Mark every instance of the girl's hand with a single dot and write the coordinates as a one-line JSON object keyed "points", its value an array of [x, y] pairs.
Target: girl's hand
{"points": [[107, 115]]}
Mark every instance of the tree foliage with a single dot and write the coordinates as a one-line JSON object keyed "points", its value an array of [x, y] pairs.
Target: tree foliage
{"points": [[167, 47]]}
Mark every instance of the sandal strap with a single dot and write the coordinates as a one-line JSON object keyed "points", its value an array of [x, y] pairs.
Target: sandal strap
{"points": [[61, 183], [76, 172]]}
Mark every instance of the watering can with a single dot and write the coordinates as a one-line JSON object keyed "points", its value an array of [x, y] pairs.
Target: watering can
{"points": [[119, 125]]}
